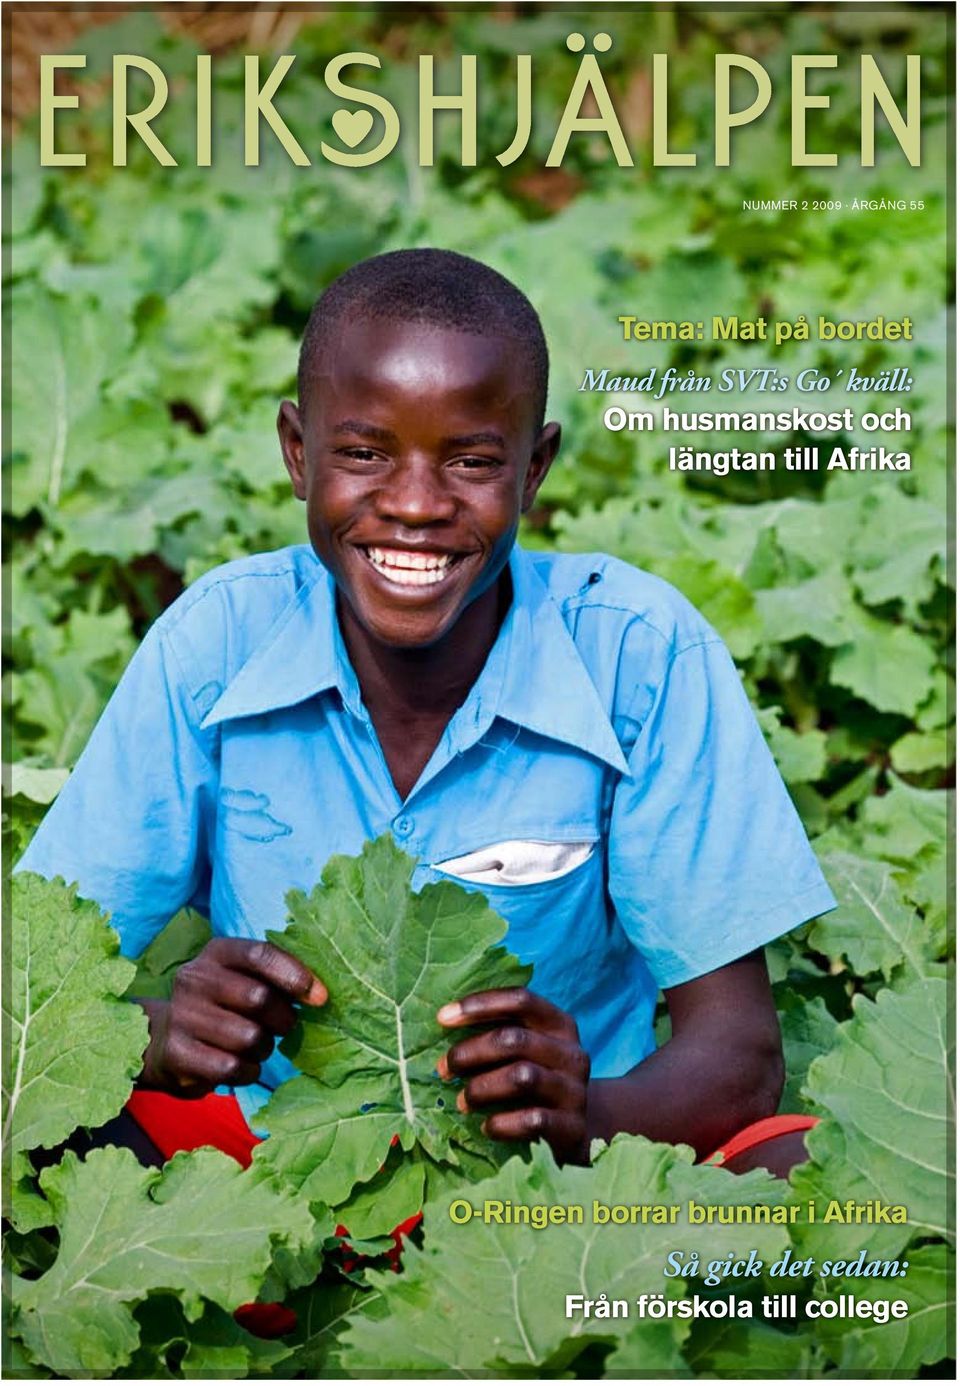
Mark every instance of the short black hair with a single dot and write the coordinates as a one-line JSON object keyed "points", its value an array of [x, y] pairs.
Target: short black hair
{"points": [[436, 287]]}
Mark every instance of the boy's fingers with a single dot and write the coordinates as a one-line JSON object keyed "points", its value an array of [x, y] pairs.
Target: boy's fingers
{"points": [[191, 1061], [506, 1004], [511, 1043], [233, 1033], [275, 966], [249, 995], [564, 1130], [522, 1082]]}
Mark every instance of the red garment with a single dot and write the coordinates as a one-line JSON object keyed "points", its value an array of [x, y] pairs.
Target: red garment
{"points": [[175, 1123], [759, 1132]]}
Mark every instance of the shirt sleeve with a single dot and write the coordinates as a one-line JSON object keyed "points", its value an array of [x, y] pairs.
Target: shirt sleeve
{"points": [[708, 859], [130, 825]]}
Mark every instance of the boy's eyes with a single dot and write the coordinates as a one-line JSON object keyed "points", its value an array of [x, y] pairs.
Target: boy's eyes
{"points": [[360, 454], [469, 462]]}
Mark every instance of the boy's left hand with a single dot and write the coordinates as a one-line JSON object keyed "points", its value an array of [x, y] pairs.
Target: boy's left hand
{"points": [[530, 1061]]}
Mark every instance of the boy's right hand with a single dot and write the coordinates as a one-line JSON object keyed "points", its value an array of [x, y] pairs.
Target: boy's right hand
{"points": [[228, 1006]]}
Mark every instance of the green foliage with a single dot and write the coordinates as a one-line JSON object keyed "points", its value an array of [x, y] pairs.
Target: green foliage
{"points": [[150, 353], [121, 1270], [211, 1346], [202, 1228], [902, 1346], [397, 957], [75, 1046], [807, 1030], [181, 940], [322, 1312], [488, 1299], [113, 1233], [874, 929], [887, 1132], [734, 1350]]}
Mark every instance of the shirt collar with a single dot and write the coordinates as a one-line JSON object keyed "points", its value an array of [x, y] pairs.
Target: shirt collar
{"points": [[545, 685], [303, 654], [534, 676]]}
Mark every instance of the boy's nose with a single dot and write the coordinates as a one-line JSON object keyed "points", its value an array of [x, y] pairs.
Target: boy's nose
{"points": [[416, 495]]}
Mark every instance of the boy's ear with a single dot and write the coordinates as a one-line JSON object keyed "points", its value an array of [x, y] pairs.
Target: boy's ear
{"points": [[545, 450], [290, 430]]}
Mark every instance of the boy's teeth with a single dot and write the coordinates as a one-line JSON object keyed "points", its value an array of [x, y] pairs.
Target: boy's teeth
{"points": [[410, 569], [403, 558]]}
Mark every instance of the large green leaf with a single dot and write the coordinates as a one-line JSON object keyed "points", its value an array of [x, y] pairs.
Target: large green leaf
{"points": [[905, 824], [25, 1207], [64, 423], [907, 570], [390, 958], [64, 701], [18, 1365], [929, 886], [919, 751], [202, 1228], [392, 1196], [815, 535], [484, 1295], [75, 1046], [128, 524], [874, 928], [937, 711], [821, 609], [889, 666], [898, 1348], [886, 1135]]}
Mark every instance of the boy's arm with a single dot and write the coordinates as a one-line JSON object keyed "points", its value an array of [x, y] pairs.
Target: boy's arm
{"points": [[721, 1070]]}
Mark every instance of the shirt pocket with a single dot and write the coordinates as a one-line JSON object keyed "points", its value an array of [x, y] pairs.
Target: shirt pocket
{"points": [[559, 924], [518, 863]]}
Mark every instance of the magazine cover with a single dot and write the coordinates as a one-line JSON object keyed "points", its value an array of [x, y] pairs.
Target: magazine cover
{"points": [[478, 691]]}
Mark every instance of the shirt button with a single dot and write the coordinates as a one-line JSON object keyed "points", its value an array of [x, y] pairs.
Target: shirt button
{"points": [[403, 826]]}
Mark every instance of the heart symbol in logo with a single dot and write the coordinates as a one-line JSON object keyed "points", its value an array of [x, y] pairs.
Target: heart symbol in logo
{"points": [[352, 126]]}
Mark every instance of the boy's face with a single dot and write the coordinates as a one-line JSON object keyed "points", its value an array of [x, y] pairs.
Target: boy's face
{"points": [[416, 450]]}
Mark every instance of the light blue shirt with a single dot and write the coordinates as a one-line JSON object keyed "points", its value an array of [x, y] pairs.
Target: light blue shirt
{"points": [[236, 756]]}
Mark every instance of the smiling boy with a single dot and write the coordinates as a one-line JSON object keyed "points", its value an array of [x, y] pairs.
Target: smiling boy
{"points": [[565, 733]]}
